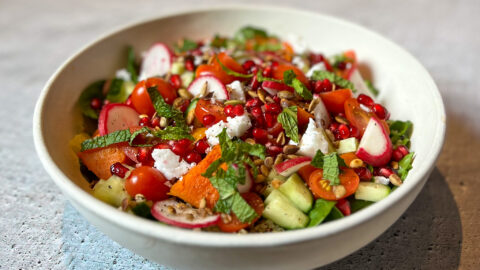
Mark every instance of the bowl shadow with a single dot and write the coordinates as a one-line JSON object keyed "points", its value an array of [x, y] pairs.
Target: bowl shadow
{"points": [[427, 236]]}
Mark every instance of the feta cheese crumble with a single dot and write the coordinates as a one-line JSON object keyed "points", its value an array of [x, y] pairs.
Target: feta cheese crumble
{"points": [[237, 92], [236, 127], [314, 139], [298, 61], [123, 74], [169, 163]]}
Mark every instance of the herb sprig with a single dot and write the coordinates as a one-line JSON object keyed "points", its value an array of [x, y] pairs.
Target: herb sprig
{"points": [[288, 120], [330, 164]]}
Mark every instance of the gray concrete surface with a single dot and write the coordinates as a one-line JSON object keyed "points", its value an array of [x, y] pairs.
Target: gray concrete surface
{"points": [[40, 230]]}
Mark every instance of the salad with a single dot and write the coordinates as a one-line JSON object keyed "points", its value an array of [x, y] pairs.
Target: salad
{"points": [[240, 134]]}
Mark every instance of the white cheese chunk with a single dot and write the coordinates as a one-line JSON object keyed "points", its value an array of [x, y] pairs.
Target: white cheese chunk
{"points": [[236, 127], [123, 74], [237, 91], [316, 67], [314, 139], [169, 164]]}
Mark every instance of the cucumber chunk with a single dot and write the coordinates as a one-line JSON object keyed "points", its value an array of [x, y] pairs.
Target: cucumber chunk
{"points": [[320, 211], [272, 176], [357, 205], [187, 78], [347, 145], [282, 212], [373, 192], [111, 191], [295, 190]]}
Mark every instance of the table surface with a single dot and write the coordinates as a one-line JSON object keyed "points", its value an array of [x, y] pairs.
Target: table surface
{"points": [[40, 229]]}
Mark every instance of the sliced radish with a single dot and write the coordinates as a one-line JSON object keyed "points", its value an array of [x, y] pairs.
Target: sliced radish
{"points": [[357, 80], [178, 214], [290, 166], [157, 61], [116, 116], [212, 84], [247, 186], [322, 117], [273, 87], [375, 147]]}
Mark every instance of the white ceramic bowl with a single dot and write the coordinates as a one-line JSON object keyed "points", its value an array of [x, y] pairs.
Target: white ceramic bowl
{"points": [[407, 90]]}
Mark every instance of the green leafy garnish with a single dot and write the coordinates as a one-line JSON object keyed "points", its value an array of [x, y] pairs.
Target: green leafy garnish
{"points": [[333, 78], [131, 65], [405, 165], [115, 90], [185, 46], [94, 90], [334, 214], [165, 110], [288, 76], [270, 47], [289, 121], [249, 32], [290, 79], [339, 58], [330, 164], [372, 88], [320, 211], [260, 78], [400, 132], [172, 133], [218, 42], [357, 205], [232, 72], [236, 154], [106, 140], [142, 210]]}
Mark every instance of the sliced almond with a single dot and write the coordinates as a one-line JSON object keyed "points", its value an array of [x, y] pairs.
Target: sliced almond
{"points": [[356, 163], [395, 180]]}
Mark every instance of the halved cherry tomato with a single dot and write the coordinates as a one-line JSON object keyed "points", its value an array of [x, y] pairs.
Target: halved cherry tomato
{"points": [[303, 117], [205, 107], [306, 171], [334, 100], [277, 72], [141, 100], [229, 62], [288, 51], [358, 117], [147, 181], [348, 179], [235, 224], [214, 69]]}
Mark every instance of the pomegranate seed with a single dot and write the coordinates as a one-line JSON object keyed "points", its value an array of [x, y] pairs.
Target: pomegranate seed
{"points": [[385, 172], [274, 150], [344, 131], [399, 153], [181, 147], [208, 119], [193, 157], [201, 146], [270, 119], [256, 111], [260, 135], [267, 72], [229, 110], [354, 132], [342, 65], [276, 99], [128, 102], [316, 58], [322, 86], [238, 110], [274, 64], [254, 102], [248, 65], [364, 173], [273, 108], [155, 122], [403, 149], [189, 64], [380, 111], [176, 81], [118, 169], [96, 103], [337, 135], [144, 155], [144, 122], [333, 126], [162, 146], [259, 121], [365, 100], [254, 83]]}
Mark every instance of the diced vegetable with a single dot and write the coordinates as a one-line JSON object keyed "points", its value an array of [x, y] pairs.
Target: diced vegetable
{"points": [[297, 192], [111, 191], [369, 191], [320, 211], [281, 211]]}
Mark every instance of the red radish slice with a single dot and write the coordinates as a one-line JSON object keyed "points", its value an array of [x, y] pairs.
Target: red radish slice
{"points": [[375, 147], [212, 84], [273, 87], [116, 116], [177, 214], [243, 188], [157, 61], [290, 166]]}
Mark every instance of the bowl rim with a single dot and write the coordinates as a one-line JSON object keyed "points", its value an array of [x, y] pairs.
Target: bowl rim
{"points": [[211, 239]]}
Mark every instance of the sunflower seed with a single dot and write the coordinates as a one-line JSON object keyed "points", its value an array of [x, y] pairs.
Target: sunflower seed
{"points": [[233, 102], [185, 94], [253, 94], [285, 94], [268, 162], [290, 149]]}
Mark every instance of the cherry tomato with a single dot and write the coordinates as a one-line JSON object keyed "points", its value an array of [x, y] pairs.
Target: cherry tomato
{"points": [[358, 117], [281, 68], [348, 179], [141, 100], [306, 171], [334, 100], [147, 181], [235, 224], [214, 69], [205, 107], [229, 62]]}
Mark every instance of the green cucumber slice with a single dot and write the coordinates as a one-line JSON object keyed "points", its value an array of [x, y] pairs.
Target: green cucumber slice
{"points": [[282, 212], [295, 190], [373, 192]]}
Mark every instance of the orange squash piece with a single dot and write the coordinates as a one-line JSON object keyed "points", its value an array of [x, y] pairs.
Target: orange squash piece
{"points": [[348, 157], [306, 171], [99, 160], [194, 187]]}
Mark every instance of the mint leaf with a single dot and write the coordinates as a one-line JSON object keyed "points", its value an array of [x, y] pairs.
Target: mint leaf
{"points": [[94, 90], [317, 160], [288, 76], [333, 78], [405, 165], [242, 209], [106, 140], [131, 66], [372, 88], [172, 133], [301, 89], [260, 78], [249, 32], [400, 132], [165, 110], [114, 94], [331, 168], [288, 119], [232, 72], [185, 46], [142, 210]]}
